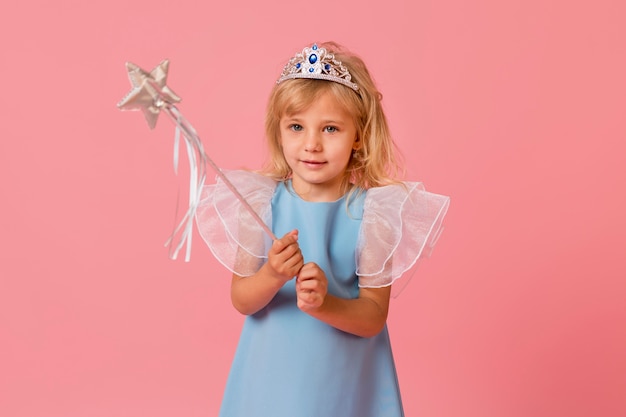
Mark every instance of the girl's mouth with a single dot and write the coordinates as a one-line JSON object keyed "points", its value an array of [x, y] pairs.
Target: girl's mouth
{"points": [[313, 164]]}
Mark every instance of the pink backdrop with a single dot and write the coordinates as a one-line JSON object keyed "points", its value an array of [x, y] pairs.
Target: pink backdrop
{"points": [[514, 108]]}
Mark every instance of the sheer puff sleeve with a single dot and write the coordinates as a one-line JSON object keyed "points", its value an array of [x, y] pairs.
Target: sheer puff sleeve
{"points": [[231, 233], [401, 224]]}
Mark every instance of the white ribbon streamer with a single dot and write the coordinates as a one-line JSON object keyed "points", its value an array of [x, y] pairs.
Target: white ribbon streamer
{"points": [[198, 160]]}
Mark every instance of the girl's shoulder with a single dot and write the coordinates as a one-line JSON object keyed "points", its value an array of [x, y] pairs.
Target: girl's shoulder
{"points": [[401, 224], [246, 182], [396, 198]]}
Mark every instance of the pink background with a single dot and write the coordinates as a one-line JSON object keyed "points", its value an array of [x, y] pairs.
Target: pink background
{"points": [[516, 109]]}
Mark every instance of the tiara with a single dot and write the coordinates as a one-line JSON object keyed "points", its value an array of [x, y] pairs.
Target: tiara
{"points": [[317, 63]]}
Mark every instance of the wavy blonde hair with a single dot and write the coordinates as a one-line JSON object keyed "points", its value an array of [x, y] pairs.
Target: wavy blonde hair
{"points": [[376, 162]]}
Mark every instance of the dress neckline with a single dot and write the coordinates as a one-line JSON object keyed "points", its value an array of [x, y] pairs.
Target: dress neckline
{"points": [[289, 188]]}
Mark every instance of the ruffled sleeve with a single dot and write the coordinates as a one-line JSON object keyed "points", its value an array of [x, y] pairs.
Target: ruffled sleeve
{"points": [[401, 224], [230, 232]]}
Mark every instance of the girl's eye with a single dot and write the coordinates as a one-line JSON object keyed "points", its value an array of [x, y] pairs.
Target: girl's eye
{"points": [[295, 127], [330, 129]]}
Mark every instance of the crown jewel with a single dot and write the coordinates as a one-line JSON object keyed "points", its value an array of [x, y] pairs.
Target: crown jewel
{"points": [[317, 63]]}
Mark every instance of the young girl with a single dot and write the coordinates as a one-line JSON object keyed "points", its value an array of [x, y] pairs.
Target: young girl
{"points": [[314, 342]]}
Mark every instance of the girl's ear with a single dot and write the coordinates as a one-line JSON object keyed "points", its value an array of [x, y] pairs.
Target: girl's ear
{"points": [[357, 144]]}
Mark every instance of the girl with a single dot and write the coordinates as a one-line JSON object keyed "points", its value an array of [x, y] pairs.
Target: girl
{"points": [[314, 342]]}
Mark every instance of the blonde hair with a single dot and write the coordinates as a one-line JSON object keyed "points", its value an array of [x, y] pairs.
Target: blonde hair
{"points": [[375, 163]]}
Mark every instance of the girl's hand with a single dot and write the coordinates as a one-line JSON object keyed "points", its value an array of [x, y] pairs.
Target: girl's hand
{"points": [[311, 287], [285, 258]]}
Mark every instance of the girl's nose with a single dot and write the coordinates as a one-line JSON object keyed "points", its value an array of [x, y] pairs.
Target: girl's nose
{"points": [[312, 143]]}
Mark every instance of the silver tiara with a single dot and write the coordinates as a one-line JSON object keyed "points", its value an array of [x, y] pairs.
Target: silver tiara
{"points": [[317, 63]]}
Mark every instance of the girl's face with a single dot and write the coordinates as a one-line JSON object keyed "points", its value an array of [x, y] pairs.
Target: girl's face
{"points": [[317, 144]]}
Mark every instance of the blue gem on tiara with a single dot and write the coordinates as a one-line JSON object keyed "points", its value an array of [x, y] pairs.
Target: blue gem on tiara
{"points": [[317, 63]]}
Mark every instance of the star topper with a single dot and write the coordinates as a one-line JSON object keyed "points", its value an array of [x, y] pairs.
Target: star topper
{"points": [[149, 93]]}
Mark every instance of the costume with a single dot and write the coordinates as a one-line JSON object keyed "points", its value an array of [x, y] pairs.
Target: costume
{"points": [[287, 363]]}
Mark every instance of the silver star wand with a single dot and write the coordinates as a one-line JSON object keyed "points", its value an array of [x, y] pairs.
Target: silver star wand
{"points": [[151, 95]]}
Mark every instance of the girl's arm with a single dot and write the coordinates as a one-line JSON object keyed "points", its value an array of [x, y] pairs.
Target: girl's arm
{"points": [[364, 316], [250, 294]]}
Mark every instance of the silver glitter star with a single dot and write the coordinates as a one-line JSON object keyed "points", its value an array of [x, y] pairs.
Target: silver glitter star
{"points": [[149, 93]]}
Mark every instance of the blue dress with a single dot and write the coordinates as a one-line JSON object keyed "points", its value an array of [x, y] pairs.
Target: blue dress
{"points": [[287, 363]]}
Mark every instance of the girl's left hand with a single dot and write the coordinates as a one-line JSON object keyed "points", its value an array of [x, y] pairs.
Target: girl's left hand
{"points": [[311, 287]]}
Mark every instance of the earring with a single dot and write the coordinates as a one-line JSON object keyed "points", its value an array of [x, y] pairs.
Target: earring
{"points": [[355, 150]]}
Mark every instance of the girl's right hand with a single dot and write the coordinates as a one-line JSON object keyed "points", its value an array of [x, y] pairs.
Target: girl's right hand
{"points": [[285, 258]]}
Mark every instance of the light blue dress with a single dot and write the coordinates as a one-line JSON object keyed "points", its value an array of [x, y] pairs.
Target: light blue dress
{"points": [[287, 363]]}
